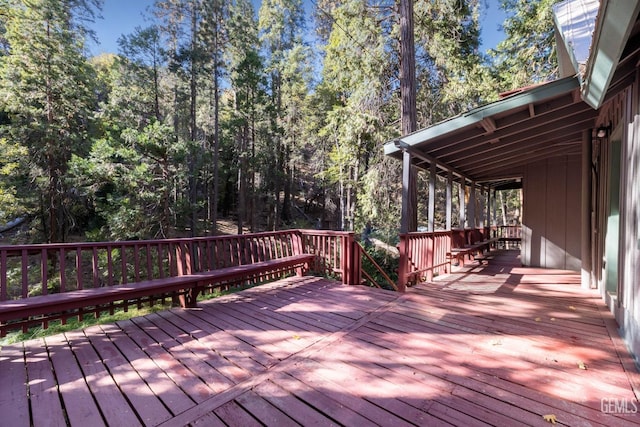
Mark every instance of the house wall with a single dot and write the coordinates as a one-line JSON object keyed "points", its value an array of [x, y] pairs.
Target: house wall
{"points": [[551, 213], [628, 310], [622, 296]]}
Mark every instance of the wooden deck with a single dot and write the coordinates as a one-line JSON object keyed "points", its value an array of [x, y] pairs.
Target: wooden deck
{"points": [[491, 345]]}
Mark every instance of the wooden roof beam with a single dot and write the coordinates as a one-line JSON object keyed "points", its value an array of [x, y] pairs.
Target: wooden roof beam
{"points": [[535, 129], [429, 159], [489, 125]]}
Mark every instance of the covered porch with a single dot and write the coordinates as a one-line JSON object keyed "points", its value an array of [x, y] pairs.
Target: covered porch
{"points": [[572, 143], [495, 344]]}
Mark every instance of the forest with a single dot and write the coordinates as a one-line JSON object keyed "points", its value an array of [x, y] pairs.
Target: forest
{"points": [[217, 111]]}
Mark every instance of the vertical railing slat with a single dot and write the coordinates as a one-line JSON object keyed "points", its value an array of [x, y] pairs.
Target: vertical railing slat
{"points": [[150, 274], [44, 271], [95, 272], [3, 275], [24, 259], [109, 266], [123, 264], [136, 262]]}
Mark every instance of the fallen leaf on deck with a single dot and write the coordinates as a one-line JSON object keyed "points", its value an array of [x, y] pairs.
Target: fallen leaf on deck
{"points": [[496, 342], [582, 365], [572, 307], [550, 418], [296, 337], [538, 319], [553, 319]]}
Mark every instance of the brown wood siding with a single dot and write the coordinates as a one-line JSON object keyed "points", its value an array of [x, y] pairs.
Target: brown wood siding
{"points": [[551, 220]]}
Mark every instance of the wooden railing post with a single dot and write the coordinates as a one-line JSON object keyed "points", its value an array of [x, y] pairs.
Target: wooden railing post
{"points": [[403, 265], [350, 264], [297, 249], [430, 254], [356, 260]]}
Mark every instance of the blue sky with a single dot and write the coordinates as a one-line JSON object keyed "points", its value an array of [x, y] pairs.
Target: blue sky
{"points": [[122, 16]]}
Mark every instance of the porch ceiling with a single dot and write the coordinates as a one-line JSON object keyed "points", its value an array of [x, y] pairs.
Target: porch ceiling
{"points": [[492, 143]]}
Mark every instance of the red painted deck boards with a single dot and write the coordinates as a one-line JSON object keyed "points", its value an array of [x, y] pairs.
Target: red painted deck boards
{"points": [[497, 344]]}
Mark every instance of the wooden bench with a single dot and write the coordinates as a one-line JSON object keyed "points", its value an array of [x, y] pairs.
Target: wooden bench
{"points": [[509, 235], [459, 247], [469, 243], [188, 285], [482, 241]]}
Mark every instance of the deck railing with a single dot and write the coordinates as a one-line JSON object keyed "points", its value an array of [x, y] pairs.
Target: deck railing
{"points": [[40, 269], [30, 270], [422, 255], [336, 254], [509, 236]]}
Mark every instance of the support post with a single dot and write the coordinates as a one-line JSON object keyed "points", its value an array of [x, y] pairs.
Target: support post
{"points": [[403, 263], [350, 260], [449, 197], [409, 220], [494, 208], [432, 196], [585, 245], [472, 206], [463, 203]]}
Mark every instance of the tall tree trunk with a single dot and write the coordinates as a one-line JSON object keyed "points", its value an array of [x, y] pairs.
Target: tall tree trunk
{"points": [[213, 203], [286, 199], [254, 194], [503, 206], [193, 173], [408, 107]]}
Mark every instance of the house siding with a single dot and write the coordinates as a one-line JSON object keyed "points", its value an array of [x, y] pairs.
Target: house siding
{"points": [[551, 213], [628, 311]]}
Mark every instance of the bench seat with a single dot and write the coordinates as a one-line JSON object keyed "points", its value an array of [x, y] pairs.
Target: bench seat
{"points": [[470, 250], [73, 300]]}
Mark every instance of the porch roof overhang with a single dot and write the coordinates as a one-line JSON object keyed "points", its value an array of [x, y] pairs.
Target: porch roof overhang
{"points": [[616, 31], [490, 145]]}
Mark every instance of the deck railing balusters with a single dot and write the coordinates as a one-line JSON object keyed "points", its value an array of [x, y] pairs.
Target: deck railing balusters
{"points": [[25, 273], [92, 265], [3, 275], [44, 270], [423, 255]]}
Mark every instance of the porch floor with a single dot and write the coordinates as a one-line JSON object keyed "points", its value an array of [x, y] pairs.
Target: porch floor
{"points": [[488, 345]]}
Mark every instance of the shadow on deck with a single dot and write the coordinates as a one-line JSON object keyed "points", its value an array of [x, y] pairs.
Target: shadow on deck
{"points": [[488, 345]]}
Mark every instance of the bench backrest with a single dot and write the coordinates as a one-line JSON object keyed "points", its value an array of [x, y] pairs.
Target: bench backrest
{"points": [[458, 238], [29, 270]]}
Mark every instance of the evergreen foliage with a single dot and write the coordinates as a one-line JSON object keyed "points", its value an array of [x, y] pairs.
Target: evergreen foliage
{"points": [[216, 109]]}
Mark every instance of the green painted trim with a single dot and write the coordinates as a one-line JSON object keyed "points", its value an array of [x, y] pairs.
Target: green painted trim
{"points": [[613, 27], [472, 117]]}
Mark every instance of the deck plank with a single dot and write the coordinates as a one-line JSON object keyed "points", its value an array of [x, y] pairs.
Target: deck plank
{"points": [[496, 344], [112, 403], [80, 406], [193, 351], [14, 403], [298, 410], [263, 411], [148, 406], [233, 415], [46, 406], [161, 384], [195, 378]]}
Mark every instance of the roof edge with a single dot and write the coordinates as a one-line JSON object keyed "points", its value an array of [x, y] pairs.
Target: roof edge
{"points": [[613, 27], [476, 115]]}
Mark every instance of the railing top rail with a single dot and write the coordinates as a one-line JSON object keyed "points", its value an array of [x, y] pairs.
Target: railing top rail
{"points": [[119, 243], [425, 233], [329, 233]]}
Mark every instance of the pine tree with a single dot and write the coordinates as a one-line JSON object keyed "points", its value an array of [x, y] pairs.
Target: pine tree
{"points": [[47, 91], [527, 55], [281, 25]]}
